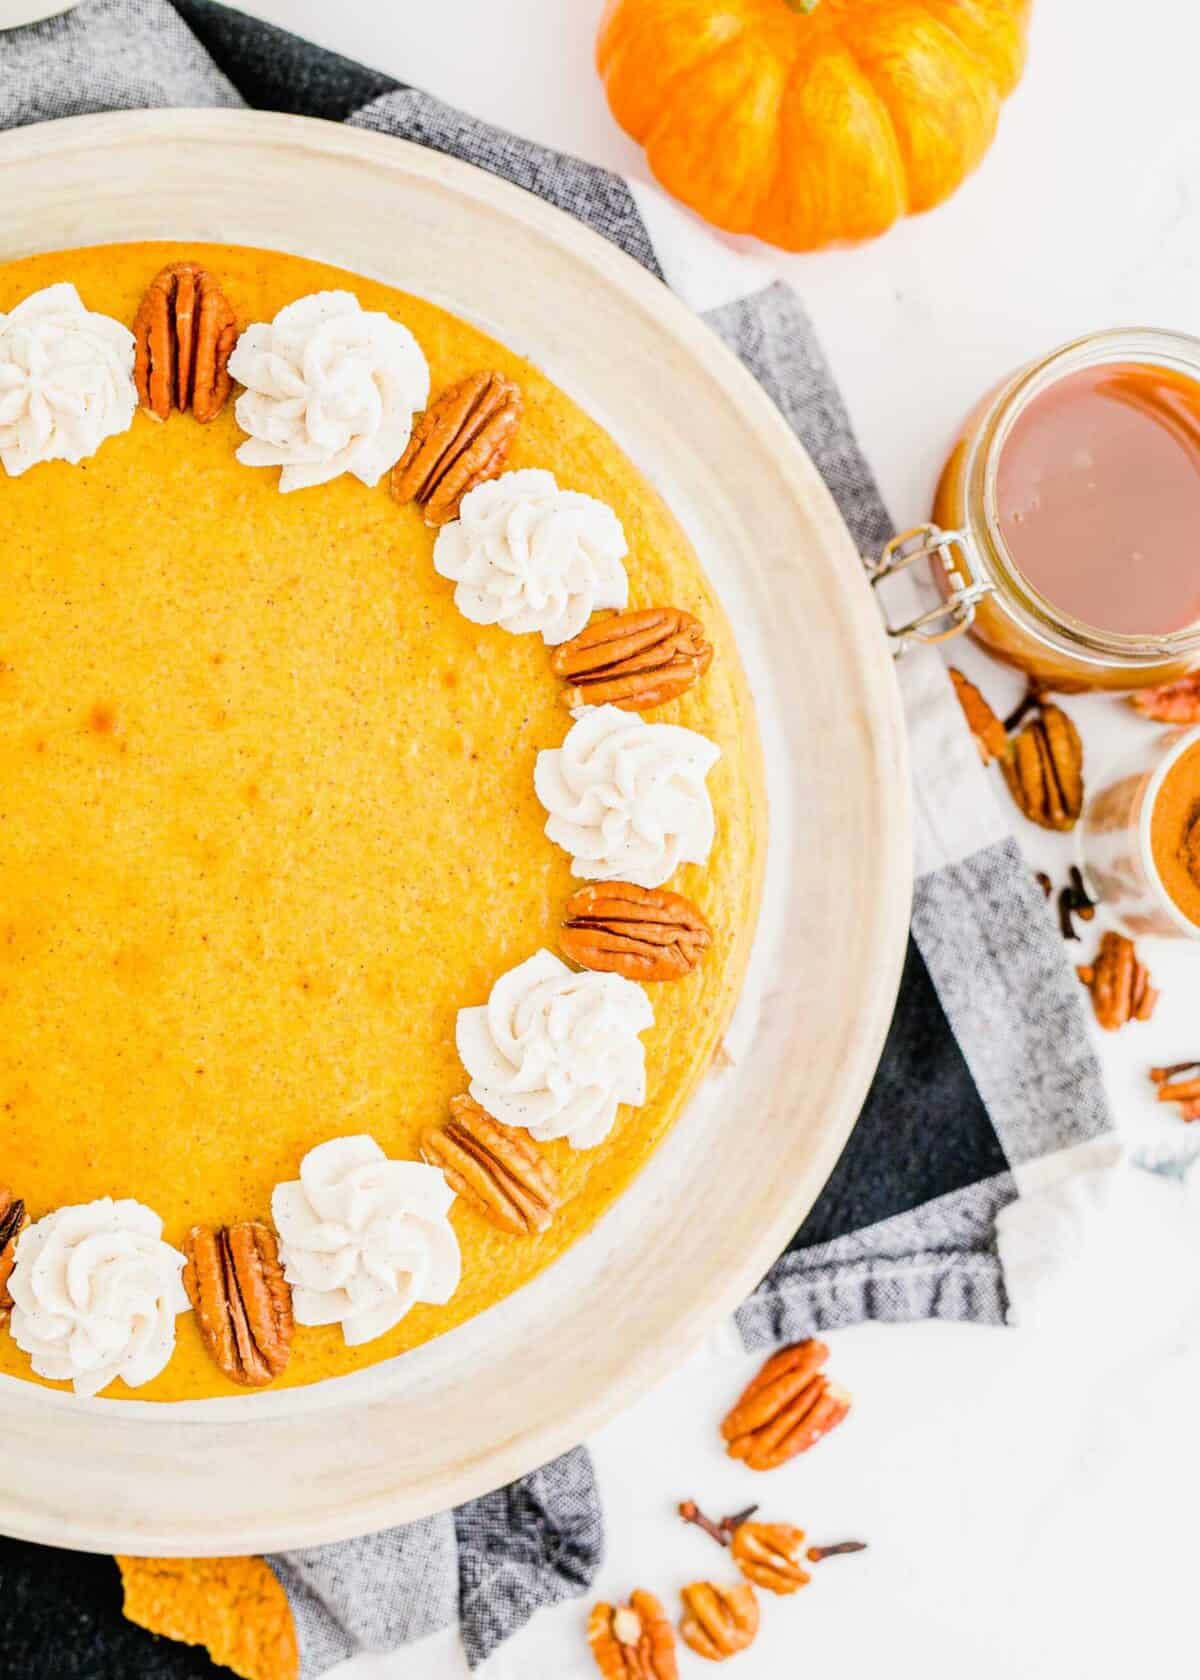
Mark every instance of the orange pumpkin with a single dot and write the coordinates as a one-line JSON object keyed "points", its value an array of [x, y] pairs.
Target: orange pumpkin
{"points": [[811, 121]]}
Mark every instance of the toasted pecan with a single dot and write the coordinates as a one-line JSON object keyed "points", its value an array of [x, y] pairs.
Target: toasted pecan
{"points": [[13, 1220], [633, 1641], [243, 1302], [786, 1409], [718, 1621], [184, 332], [461, 440], [1119, 982], [771, 1555], [1173, 702], [636, 660], [644, 933], [500, 1171]]}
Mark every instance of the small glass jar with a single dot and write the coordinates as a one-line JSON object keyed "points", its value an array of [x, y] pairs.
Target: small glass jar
{"points": [[1114, 840], [984, 590]]}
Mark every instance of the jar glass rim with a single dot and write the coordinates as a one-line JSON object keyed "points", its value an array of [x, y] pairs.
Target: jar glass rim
{"points": [[1159, 347]]}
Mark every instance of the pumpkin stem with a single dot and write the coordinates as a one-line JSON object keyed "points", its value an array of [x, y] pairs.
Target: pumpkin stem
{"points": [[804, 6]]}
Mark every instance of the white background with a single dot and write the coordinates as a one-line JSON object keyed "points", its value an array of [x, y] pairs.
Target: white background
{"points": [[1027, 1497]]}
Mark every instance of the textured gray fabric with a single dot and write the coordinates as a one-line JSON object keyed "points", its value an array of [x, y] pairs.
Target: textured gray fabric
{"points": [[1001, 979], [389, 1589], [774, 337], [107, 55], [594, 195], [939, 1261], [1013, 1002], [524, 1547]]}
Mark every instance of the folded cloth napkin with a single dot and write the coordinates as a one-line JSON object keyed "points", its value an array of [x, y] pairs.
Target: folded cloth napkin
{"points": [[987, 1090]]}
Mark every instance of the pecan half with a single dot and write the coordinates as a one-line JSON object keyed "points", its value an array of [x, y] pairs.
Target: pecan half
{"points": [[1044, 769], [13, 1220], [1174, 702], [787, 1408], [1042, 761], [1180, 1084], [635, 660], [634, 1641], [460, 441], [641, 932], [1119, 983], [243, 1302], [991, 737], [718, 1622], [184, 331], [499, 1171], [771, 1555]]}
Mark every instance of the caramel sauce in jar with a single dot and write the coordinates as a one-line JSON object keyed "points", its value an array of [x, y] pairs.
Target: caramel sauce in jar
{"points": [[1074, 497]]}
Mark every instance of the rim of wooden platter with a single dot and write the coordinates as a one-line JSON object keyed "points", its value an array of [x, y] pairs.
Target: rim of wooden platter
{"points": [[723, 1195]]}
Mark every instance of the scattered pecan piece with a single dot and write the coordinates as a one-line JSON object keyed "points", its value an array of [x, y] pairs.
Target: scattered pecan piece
{"points": [[460, 441], [771, 1555], [1180, 1083], [1119, 983], [13, 1220], [787, 1408], [184, 331], [718, 1622], [634, 1641], [1041, 756], [234, 1280], [991, 737], [1174, 702], [1043, 767], [641, 932], [499, 1171], [635, 660]]}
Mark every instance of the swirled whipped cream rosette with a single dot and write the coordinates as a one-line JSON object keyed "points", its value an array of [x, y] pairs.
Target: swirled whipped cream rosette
{"points": [[555, 1051], [530, 557], [331, 388], [363, 1238], [66, 380], [95, 1293], [628, 798]]}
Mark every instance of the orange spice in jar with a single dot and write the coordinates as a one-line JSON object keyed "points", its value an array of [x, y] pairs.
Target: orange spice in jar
{"points": [[1139, 838], [1067, 533]]}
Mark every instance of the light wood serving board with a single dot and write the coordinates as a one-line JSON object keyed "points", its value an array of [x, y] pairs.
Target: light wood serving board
{"points": [[723, 1195]]}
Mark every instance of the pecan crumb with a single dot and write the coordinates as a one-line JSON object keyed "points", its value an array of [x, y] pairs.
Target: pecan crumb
{"points": [[1119, 983]]}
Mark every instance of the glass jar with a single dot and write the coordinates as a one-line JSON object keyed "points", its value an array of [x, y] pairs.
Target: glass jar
{"points": [[1115, 845], [983, 590]]}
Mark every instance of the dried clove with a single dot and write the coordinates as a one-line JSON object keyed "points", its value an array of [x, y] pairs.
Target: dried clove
{"points": [[1074, 901], [722, 1532], [818, 1554]]}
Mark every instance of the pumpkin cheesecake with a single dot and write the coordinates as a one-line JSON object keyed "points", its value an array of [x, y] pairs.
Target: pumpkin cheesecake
{"points": [[381, 821]]}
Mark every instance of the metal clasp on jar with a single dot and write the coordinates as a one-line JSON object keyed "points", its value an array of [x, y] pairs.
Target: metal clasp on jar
{"points": [[963, 588]]}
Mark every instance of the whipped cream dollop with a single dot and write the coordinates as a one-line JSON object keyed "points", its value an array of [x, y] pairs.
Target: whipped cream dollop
{"points": [[95, 1293], [555, 1051], [529, 556], [362, 1238], [66, 379], [628, 798], [330, 388]]}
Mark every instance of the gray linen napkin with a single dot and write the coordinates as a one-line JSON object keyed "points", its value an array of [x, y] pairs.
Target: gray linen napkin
{"points": [[987, 1084]]}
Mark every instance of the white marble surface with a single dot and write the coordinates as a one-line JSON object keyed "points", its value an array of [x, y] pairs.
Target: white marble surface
{"points": [[1025, 1496]]}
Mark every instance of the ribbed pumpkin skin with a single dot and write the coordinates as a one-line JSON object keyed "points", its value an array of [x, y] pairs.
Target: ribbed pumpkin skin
{"points": [[811, 129]]}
